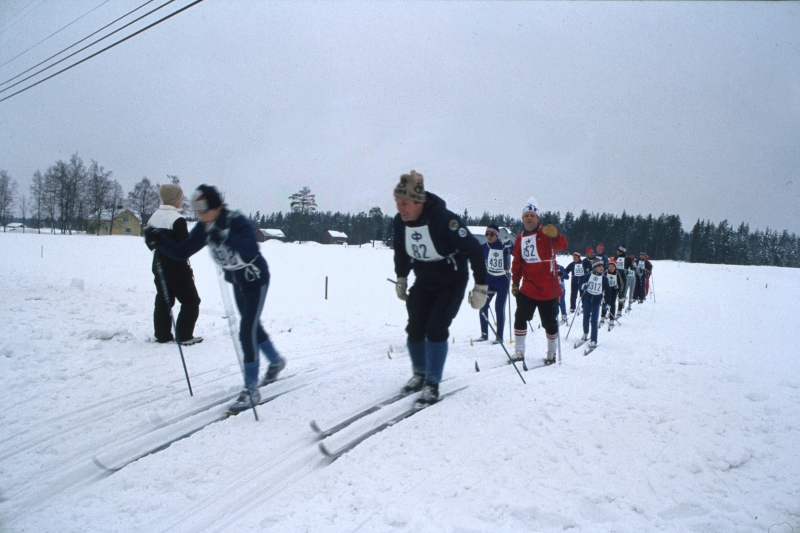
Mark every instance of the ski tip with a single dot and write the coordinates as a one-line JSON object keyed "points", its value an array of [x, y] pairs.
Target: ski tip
{"points": [[103, 467], [326, 452]]}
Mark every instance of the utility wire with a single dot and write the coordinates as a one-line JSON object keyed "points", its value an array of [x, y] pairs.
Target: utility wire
{"points": [[70, 46], [101, 51], [43, 40], [84, 48]]}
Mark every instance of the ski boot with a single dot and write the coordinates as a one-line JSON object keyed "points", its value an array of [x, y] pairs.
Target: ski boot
{"points": [[430, 394], [550, 358], [245, 401], [414, 384], [272, 372]]}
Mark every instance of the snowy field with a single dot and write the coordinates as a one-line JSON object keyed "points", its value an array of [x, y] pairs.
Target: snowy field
{"points": [[685, 418]]}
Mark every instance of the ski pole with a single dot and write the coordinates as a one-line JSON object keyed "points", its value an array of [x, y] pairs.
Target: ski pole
{"points": [[555, 293], [510, 360], [226, 300], [574, 315], [163, 282], [510, 332], [653, 288]]}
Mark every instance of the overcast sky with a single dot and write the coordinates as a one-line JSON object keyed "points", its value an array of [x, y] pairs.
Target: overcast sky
{"points": [[660, 107]]}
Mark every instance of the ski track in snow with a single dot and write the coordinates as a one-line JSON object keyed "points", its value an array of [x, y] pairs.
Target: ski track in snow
{"points": [[683, 419]]}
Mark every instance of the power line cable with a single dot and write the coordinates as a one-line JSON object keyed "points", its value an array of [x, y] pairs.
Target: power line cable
{"points": [[74, 44], [82, 49], [51, 35], [103, 50]]}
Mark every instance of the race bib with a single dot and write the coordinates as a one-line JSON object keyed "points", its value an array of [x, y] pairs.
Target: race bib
{"points": [[595, 285], [227, 258], [528, 251], [578, 270], [640, 268], [612, 280], [494, 263], [419, 245]]}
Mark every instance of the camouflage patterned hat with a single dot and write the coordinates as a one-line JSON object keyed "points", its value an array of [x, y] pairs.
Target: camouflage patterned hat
{"points": [[411, 186]]}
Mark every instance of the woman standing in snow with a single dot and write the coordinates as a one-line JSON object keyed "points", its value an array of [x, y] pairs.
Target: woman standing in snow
{"points": [[232, 241], [176, 276]]}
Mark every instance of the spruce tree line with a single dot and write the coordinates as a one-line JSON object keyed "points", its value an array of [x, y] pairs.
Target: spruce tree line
{"points": [[661, 237]]}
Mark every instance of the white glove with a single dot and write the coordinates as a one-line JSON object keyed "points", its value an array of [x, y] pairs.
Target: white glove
{"points": [[478, 295], [401, 287]]}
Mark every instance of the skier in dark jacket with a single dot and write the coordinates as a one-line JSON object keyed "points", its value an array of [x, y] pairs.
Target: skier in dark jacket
{"points": [[625, 266], [232, 241], [497, 255], [436, 244], [577, 269], [176, 275], [616, 285], [595, 293], [642, 269]]}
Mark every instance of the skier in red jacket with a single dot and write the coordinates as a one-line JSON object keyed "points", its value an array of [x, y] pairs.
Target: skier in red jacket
{"points": [[535, 266]]}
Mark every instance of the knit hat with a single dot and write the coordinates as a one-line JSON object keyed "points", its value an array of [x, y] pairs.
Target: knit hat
{"points": [[493, 228], [531, 205], [577, 253], [600, 245], [589, 250], [597, 263], [642, 253], [411, 186], [170, 194], [205, 198], [612, 261], [621, 249]]}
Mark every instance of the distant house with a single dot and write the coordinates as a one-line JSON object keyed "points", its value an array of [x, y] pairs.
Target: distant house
{"points": [[263, 235], [125, 223], [479, 232], [15, 226], [335, 237]]}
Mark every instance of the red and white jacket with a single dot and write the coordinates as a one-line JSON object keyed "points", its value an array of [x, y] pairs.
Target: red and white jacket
{"points": [[535, 264]]}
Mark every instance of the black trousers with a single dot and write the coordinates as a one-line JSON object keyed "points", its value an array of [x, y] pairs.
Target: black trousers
{"points": [[180, 286], [548, 314], [431, 309]]}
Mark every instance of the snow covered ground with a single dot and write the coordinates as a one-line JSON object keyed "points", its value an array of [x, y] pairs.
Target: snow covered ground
{"points": [[684, 419]]}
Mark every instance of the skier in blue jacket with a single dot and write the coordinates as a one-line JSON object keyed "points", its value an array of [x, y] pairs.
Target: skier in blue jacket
{"points": [[497, 255], [576, 268], [595, 292], [232, 241]]}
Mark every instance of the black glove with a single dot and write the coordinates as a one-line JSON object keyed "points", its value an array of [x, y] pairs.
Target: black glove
{"points": [[152, 236]]}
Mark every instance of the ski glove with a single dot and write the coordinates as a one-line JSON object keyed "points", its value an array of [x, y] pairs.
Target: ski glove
{"points": [[152, 236], [550, 230], [401, 286], [514, 289], [478, 295]]}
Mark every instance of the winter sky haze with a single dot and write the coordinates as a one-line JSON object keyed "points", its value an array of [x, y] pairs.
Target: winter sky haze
{"points": [[689, 108]]}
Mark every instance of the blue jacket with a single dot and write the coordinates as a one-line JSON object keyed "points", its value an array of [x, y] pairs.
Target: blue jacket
{"points": [[595, 290], [580, 277], [498, 262], [238, 254]]}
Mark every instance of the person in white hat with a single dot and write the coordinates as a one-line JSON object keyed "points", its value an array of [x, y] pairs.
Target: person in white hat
{"points": [[534, 266]]}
